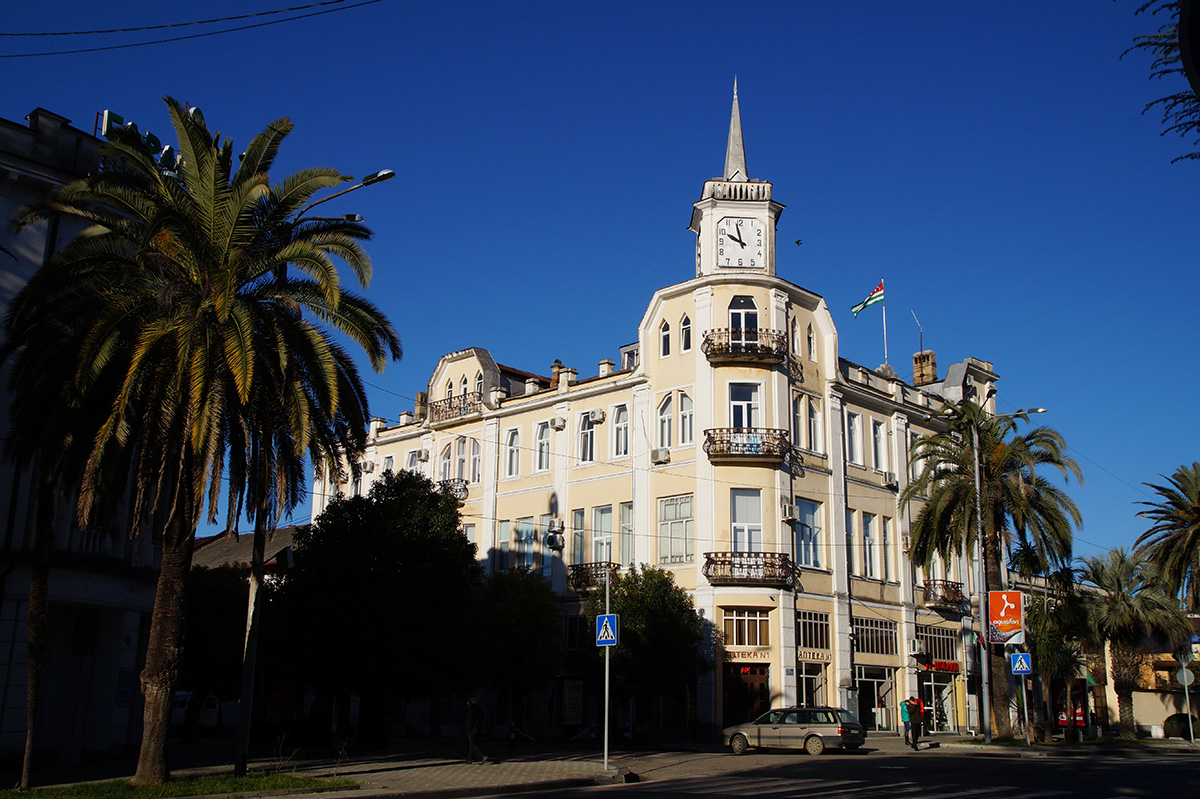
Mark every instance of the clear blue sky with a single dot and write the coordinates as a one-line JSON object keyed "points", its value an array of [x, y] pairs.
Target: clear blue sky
{"points": [[989, 160]]}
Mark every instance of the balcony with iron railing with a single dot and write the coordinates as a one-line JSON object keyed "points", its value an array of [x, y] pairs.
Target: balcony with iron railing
{"points": [[582, 577], [747, 444], [770, 569], [455, 487], [455, 407], [944, 595], [745, 345]]}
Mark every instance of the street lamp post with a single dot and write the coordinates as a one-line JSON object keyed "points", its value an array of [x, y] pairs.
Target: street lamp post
{"points": [[980, 583], [375, 177]]}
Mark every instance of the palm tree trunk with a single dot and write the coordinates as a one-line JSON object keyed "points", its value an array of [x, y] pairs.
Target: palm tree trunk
{"points": [[39, 588], [1002, 722], [166, 642], [250, 654]]}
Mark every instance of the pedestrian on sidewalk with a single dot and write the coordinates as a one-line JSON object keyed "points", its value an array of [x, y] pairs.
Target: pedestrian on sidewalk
{"points": [[904, 719], [913, 710], [474, 728]]}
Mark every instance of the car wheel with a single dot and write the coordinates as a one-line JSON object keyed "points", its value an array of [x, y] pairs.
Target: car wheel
{"points": [[739, 744], [814, 745]]}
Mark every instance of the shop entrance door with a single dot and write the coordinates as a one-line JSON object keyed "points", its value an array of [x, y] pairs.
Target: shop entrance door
{"points": [[876, 700], [941, 712], [747, 692]]}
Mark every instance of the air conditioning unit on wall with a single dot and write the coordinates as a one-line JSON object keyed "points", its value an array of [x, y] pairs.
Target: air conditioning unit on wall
{"points": [[596, 416], [368, 466], [787, 511], [555, 526], [916, 647], [890, 481], [660, 455], [423, 455], [558, 423]]}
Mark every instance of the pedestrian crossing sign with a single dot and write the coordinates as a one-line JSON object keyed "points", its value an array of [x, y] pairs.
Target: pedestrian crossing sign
{"points": [[1022, 663], [606, 629]]}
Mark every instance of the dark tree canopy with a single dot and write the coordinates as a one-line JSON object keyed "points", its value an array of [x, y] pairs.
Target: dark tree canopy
{"points": [[520, 631], [1180, 109], [659, 651], [382, 588]]}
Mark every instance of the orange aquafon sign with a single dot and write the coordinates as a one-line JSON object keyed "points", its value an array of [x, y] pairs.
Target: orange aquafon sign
{"points": [[1006, 616]]}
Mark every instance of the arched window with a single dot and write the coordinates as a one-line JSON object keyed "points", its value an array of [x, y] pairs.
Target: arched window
{"points": [[587, 439], [665, 336], [812, 345], [685, 334], [814, 426], [795, 339], [621, 431], [476, 461], [464, 385], [743, 323], [444, 470], [460, 453], [665, 412], [479, 384], [798, 420], [543, 446], [686, 423], [449, 389], [512, 453]]}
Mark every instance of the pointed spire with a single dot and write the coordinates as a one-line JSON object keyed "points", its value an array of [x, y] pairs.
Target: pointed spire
{"points": [[735, 151]]}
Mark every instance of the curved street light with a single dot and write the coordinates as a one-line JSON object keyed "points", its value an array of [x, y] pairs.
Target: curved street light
{"points": [[369, 180]]}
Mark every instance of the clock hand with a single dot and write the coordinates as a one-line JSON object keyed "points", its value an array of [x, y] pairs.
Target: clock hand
{"points": [[738, 240]]}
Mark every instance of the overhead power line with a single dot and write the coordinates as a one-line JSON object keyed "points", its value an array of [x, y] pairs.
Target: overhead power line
{"points": [[175, 24]]}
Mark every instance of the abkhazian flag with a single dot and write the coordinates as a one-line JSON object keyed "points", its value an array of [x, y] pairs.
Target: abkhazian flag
{"points": [[872, 298]]}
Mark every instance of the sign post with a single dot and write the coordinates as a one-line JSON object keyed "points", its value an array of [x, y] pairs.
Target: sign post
{"points": [[606, 636], [1022, 665]]}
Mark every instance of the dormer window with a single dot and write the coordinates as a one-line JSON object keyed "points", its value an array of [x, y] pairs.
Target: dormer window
{"points": [[479, 384], [685, 334], [665, 337], [464, 385], [449, 389]]}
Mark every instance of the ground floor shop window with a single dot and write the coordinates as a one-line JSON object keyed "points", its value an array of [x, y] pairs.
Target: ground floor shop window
{"points": [[810, 684], [876, 696], [746, 692], [937, 692]]}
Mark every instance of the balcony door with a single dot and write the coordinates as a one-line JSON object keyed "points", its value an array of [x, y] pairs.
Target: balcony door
{"points": [[743, 324], [743, 405]]}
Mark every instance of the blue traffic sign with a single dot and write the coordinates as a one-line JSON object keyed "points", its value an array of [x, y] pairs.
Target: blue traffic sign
{"points": [[606, 629], [1021, 662]]}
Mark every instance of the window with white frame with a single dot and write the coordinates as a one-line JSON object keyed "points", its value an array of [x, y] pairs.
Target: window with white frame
{"points": [[479, 383], [743, 323], [543, 531], [854, 452], [885, 550], [389, 463], [620, 431], [743, 405], [625, 543], [812, 629], [868, 545], [449, 389], [849, 541], [808, 533], [874, 636], [879, 444], [512, 453], [676, 528], [476, 461], [587, 438], [444, 472], [526, 542], [814, 425], [914, 465], [811, 344], [940, 643], [578, 536], [664, 333], [747, 627], [665, 413], [746, 522], [543, 446], [412, 460], [464, 385], [795, 339], [687, 426], [602, 534], [502, 533], [798, 420], [685, 334], [810, 684], [460, 459], [469, 533]]}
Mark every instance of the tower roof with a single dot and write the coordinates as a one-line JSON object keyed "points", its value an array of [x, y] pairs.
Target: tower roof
{"points": [[735, 150]]}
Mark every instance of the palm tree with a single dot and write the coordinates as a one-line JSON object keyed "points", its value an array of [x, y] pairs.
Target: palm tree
{"points": [[1129, 609], [1172, 544], [1015, 501], [191, 340]]}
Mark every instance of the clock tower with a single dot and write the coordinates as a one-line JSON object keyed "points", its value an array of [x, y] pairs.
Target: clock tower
{"points": [[735, 218]]}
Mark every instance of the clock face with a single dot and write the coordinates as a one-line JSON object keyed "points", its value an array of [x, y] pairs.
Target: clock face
{"points": [[740, 242]]}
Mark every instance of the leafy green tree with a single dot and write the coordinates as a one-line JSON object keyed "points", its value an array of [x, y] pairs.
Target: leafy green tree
{"points": [[1172, 544], [1128, 610], [381, 580], [171, 309], [1054, 632], [519, 631], [1180, 109], [1017, 502], [661, 635]]}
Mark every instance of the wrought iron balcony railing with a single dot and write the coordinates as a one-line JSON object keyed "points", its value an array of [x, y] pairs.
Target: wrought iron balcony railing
{"points": [[944, 595], [583, 577], [773, 569], [745, 345], [747, 444], [454, 407], [455, 487]]}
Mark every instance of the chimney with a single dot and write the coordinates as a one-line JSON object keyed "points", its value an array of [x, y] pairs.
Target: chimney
{"points": [[567, 379], [924, 368], [420, 405], [606, 367], [555, 369], [406, 417]]}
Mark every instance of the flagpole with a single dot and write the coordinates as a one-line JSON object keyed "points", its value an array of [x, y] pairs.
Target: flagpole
{"points": [[884, 303]]}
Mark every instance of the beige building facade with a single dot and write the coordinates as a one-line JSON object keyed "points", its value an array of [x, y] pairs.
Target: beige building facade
{"points": [[733, 446]]}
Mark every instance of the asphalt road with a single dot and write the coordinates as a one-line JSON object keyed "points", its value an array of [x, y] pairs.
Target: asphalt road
{"points": [[929, 774]]}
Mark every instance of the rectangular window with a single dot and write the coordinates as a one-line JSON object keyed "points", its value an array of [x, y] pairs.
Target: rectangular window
{"points": [[854, 452], [914, 466], [502, 534], [868, 545], [814, 425], [885, 552], [469, 532], [587, 439], [746, 522], [526, 542], [543, 446], [411, 460], [626, 542], [940, 643], [602, 534], [743, 405], [620, 431], [874, 636], [389, 463], [676, 527], [849, 541], [476, 462], [808, 533], [798, 420], [812, 629], [578, 536], [810, 684], [544, 555], [747, 627], [512, 453], [879, 442], [687, 433], [665, 412]]}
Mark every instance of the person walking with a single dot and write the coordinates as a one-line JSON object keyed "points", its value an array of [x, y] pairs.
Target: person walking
{"points": [[915, 711], [474, 728]]}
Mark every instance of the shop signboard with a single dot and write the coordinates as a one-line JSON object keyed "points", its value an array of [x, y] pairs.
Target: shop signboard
{"points": [[1006, 615]]}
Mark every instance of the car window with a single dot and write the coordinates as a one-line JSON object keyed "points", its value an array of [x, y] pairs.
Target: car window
{"points": [[822, 717], [792, 718], [776, 717], [847, 717]]}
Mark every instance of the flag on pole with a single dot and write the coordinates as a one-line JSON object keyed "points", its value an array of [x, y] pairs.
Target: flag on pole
{"points": [[872, 298]]}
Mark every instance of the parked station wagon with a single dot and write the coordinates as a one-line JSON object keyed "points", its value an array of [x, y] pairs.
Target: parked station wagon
{"points": [[809, 728]]}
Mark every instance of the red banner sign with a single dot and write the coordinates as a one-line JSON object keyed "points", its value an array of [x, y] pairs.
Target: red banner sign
{"points": [[1006, 615]]}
